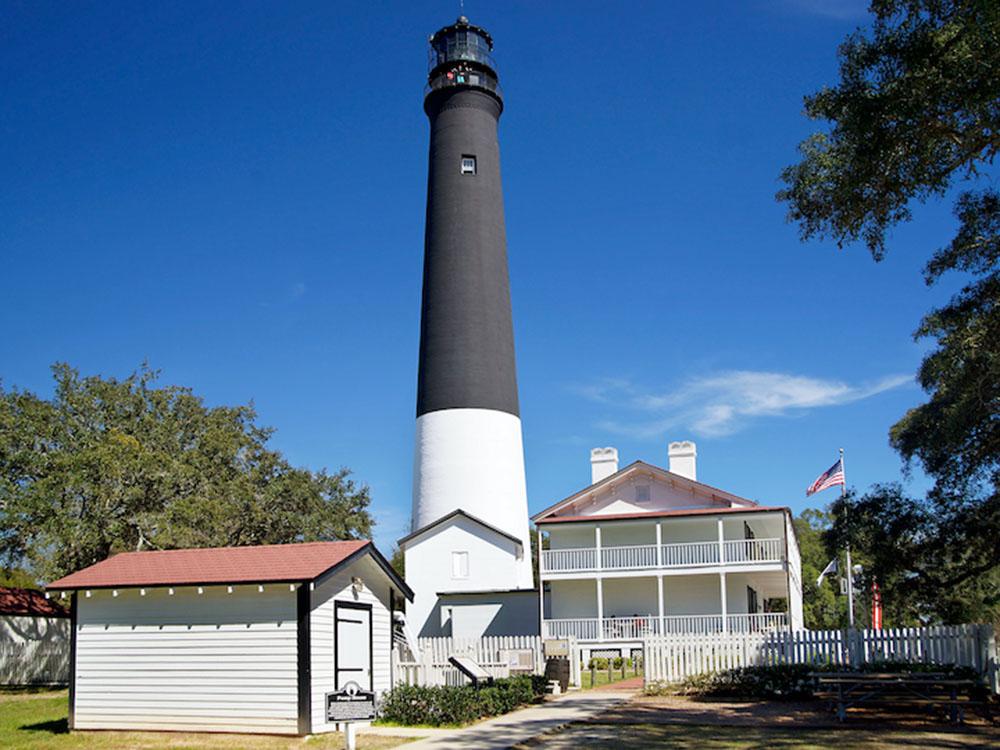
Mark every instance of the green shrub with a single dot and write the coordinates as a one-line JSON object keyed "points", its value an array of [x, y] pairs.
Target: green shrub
{"points": [[778, 681], [436, 706], [598, 662]]}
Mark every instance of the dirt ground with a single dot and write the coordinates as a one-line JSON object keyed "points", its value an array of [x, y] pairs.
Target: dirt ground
{"points": [[698, 724], [685, 710]]}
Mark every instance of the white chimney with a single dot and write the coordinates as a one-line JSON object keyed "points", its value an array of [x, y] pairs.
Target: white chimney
{"points": [[683, 457], [603, 463]]}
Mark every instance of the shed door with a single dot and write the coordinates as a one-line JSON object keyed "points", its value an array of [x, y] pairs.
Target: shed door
{"points": [[353, 644]]}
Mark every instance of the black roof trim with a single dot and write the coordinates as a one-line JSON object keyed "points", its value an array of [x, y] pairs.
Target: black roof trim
{"points": [[448, 517]]}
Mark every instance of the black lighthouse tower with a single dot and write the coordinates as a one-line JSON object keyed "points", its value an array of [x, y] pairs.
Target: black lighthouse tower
{"points": [[466, 335], [469, 452]]}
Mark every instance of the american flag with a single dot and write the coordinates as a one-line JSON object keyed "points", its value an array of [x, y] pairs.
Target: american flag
{"points": [[829, 478]]}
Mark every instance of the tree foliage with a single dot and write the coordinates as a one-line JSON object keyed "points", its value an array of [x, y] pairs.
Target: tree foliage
{"points": [[823, 607], [917, 107], [110, 465], [931, 567], [917, 112]]}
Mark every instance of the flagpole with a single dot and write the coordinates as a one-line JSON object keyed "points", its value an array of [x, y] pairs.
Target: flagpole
{"points": [[850, 568]]}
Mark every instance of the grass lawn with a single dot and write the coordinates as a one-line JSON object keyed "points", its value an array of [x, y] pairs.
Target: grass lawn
{"points": [[617, 736], [601, 677], [37, 721]]}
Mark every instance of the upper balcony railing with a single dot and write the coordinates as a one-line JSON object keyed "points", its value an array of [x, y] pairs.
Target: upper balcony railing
{"points": [[474, 79], [651, 557]]}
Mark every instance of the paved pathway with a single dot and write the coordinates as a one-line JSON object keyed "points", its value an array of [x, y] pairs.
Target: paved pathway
{"points": [[505, 731]]}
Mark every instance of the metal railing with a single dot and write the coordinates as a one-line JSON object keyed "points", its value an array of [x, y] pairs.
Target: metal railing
{"points": [[674, 555], [639, 627]]}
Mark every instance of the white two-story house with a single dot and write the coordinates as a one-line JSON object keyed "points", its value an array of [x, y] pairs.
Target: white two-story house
{"points": [[645, 551]]}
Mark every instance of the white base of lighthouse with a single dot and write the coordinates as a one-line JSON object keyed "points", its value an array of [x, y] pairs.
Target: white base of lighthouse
{"points": [[473, 460]]}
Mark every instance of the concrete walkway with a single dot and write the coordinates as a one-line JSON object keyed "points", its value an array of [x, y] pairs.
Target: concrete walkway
{"points": [[505, 731]]}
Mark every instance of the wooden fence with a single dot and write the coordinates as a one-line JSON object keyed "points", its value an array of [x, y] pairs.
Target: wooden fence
{"points": [[673, 658], [501, 656]]}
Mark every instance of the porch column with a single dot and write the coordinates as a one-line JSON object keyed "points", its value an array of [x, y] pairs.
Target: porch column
{"points": [[597, 546], [541, 587], [722, 597], [600, 608], [659, 549], [659, 601], [722, 540]]}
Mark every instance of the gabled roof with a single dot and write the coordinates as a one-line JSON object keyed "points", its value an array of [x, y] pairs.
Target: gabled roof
{"points": [[660, 514], [28, 603], [454, 514], [270, 563], [692, 484]]}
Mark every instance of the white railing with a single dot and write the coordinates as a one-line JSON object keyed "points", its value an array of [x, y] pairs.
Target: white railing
{"points": [[555, 560], [690, 553], [757, 623], [685, 624], [673, 657], [753, 550], [584, 628], [629, 557], [639, 627], [674, 555]]}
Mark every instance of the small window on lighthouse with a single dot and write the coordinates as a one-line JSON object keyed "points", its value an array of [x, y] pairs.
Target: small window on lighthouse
{"points": [[468, 165], [459, 564]]}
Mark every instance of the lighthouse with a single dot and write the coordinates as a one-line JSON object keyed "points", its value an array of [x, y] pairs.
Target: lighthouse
{"points": [[469, 529]]}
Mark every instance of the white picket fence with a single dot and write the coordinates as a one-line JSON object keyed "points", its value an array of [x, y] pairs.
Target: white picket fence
{"points": [[501, 656], [674, 657]]}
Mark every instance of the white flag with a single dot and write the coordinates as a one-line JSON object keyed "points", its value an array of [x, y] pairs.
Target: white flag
{"points": [[830, 568]]}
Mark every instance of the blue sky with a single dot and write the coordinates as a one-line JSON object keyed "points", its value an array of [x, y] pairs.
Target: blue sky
{"points": [[235, 193]]}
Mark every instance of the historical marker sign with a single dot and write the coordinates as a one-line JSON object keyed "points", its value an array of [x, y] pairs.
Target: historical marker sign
{"points": [[556, 647], [350, 704]]}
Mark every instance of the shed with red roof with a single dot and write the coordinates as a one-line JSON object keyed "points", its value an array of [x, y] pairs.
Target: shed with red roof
{"points": [[233, 639], [34, 639]]}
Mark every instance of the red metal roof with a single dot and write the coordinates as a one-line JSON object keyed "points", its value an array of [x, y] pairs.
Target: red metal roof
{"points": [[659, 514], [261, 564], [28, 602]]}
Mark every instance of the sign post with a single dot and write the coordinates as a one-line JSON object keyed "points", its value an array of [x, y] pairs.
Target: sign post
{"points": [[348, 705]]}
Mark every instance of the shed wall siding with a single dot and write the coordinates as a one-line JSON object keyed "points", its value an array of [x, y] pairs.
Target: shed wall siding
{"points": [[337, 587], [208, 662]]}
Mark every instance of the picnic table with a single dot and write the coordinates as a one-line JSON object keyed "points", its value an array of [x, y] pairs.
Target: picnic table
{"points": [[847, 689]]}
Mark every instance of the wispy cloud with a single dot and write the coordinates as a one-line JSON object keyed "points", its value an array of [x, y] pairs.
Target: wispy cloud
{"points": [[723, 403]]}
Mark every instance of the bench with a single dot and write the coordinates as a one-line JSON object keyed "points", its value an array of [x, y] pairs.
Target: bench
{"points": [[846, 690]]}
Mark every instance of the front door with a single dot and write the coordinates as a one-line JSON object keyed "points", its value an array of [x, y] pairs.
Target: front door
{"points": [[352, 632]]}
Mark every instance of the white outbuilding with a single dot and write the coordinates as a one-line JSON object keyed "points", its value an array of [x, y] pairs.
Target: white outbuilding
{"points": [[34, 639], [237, 639]]}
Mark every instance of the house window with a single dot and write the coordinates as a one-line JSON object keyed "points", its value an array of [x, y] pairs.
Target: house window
{"points": [[459, 564], [642, 493], [468, 164]]}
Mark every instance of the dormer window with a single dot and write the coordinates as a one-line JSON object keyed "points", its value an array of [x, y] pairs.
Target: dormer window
{"points": [[468, 164]]}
